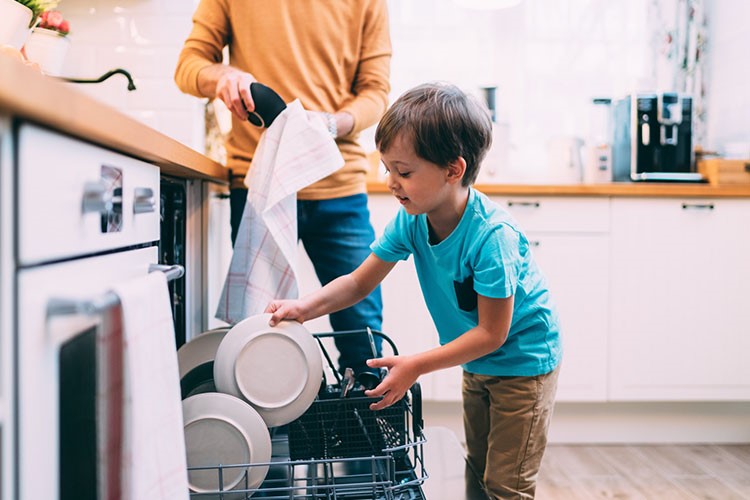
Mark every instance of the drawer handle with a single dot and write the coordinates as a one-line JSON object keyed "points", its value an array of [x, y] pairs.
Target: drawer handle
{"points": [[698, 206], [95, 198], [534, 204], [144, 201]]}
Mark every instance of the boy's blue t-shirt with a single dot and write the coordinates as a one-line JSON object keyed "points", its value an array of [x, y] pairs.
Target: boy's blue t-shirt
{"points": [[485, 254]]}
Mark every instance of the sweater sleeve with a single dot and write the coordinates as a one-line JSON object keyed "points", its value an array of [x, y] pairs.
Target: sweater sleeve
{"points": [[372, 84], [204, 45]]}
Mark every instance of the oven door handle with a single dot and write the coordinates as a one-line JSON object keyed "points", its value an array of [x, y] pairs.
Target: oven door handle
{"points": [[94, 307]]}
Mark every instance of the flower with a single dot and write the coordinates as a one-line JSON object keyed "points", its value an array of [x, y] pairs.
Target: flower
{"points": [[53, 20], [38, 6]]}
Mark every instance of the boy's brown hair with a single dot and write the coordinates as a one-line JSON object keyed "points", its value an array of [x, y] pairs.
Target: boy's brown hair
{"points": [[443, 123]]}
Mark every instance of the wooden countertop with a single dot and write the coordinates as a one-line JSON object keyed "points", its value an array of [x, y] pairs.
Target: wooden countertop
{"points": [[624, 189], [28, 95]]}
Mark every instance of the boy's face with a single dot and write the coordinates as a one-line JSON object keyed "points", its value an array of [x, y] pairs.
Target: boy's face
{"points": [[419, 185]]}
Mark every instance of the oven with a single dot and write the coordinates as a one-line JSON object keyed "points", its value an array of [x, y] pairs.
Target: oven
{"points": [[86, 219]]}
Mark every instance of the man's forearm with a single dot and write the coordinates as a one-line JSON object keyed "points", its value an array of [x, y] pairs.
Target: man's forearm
{"points": [[209, 76]]}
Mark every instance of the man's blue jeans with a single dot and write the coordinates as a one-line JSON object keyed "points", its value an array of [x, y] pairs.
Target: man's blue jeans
{"points": [[336, 234]]}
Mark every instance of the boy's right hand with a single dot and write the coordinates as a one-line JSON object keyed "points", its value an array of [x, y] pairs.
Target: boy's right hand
{"points": [[285, 309]]}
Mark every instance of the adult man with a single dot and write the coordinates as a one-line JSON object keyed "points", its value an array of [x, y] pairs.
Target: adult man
{"points": [[335, 58]]}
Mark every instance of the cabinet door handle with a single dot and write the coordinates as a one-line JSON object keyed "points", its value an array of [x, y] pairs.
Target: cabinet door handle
{"points": [[95, 198], [144, 201], [222, 196], [534, 243], [697, 206], [534, 204]]}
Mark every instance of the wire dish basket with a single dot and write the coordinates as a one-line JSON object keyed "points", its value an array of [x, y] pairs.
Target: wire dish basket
{"points": [[346, 428], [339, 449]]}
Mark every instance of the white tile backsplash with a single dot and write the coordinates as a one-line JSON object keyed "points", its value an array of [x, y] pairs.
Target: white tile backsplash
{"points": [[548, 58], [144, 37], [728, 100]]}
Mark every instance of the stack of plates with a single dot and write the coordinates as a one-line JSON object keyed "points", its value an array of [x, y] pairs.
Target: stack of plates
{"points": [[221, 429], [236, 382]]}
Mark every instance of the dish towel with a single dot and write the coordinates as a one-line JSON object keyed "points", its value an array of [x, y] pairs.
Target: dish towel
{"points": [[154, 461], [294, 152]]}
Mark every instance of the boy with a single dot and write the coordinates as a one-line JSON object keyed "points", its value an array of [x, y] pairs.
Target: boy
{"points": [[488, 300]]}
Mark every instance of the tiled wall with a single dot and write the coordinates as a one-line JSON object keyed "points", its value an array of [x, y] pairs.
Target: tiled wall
{"points": [[729, 70], [143, 37], [548, 58]]}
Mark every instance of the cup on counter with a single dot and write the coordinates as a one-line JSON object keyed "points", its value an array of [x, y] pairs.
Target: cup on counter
{"points": [[564, 159]]}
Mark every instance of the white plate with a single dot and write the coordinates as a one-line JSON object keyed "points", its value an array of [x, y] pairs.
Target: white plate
{"points": [[222, 429], [200, 349], [277, 369]]}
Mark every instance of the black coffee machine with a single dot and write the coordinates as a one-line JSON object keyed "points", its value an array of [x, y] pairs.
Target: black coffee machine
{"points": [[653, 138]]}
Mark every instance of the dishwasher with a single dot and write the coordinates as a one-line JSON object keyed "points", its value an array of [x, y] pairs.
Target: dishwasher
{"points": [[339, 448]]}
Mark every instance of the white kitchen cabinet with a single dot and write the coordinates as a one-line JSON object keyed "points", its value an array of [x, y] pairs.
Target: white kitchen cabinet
{"points": [[7, 310], [577, 270], [570, 242], [680, 321]]}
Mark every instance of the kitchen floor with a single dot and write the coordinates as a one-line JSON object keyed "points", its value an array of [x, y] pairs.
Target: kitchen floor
{"points": [[660, 472]]}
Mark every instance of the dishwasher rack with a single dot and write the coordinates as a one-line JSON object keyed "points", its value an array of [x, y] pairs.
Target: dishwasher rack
{"points": [[340, 449]]}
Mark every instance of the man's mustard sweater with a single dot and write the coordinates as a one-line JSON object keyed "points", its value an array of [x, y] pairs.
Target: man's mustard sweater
{"points": [[332, 55]]}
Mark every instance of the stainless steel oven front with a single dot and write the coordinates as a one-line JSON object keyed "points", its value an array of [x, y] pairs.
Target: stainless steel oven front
{"points": [[86, 219]]}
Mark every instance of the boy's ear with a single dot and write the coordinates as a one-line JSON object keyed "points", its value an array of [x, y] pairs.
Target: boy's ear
{"points": [[456, 169]]}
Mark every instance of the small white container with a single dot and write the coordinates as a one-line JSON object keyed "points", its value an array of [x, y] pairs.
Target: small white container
{"points": [[598, 168], [14, 23], [47, 48]]}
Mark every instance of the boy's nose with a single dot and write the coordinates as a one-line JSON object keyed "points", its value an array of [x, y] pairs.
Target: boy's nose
{"points": [[390, 181]]}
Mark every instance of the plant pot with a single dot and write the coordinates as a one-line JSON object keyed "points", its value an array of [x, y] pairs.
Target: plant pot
{"points": [[48, 49], [14, 23]]}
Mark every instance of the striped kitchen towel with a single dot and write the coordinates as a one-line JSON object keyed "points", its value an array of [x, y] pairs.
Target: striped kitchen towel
{"points": [[154, 464], [294, 152]]}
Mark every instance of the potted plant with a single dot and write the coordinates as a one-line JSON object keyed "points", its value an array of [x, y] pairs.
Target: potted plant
{"points": [[48, 43], [38, 6], [17, 16]]}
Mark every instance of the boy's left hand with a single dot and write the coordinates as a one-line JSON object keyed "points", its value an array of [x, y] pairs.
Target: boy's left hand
{"points": [[402, 373]]}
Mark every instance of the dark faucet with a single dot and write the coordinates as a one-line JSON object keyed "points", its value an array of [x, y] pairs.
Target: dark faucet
{"points": [[131, 85]]}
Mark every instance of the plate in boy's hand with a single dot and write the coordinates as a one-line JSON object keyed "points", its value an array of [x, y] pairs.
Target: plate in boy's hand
{"points": [[278, 370]]}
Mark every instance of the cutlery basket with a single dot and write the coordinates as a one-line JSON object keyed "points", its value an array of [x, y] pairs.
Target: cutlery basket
{"points": [[345, 427]]}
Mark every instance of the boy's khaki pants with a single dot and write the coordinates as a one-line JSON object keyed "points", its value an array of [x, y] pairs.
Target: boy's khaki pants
{"points": [[506, 421]]}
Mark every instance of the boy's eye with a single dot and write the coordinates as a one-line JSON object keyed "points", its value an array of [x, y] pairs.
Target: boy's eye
{"points": [[405, 174]]}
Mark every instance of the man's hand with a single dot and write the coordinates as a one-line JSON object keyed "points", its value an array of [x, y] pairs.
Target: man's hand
{"points": [[233, 88], [286, 309], [403, 371]]}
